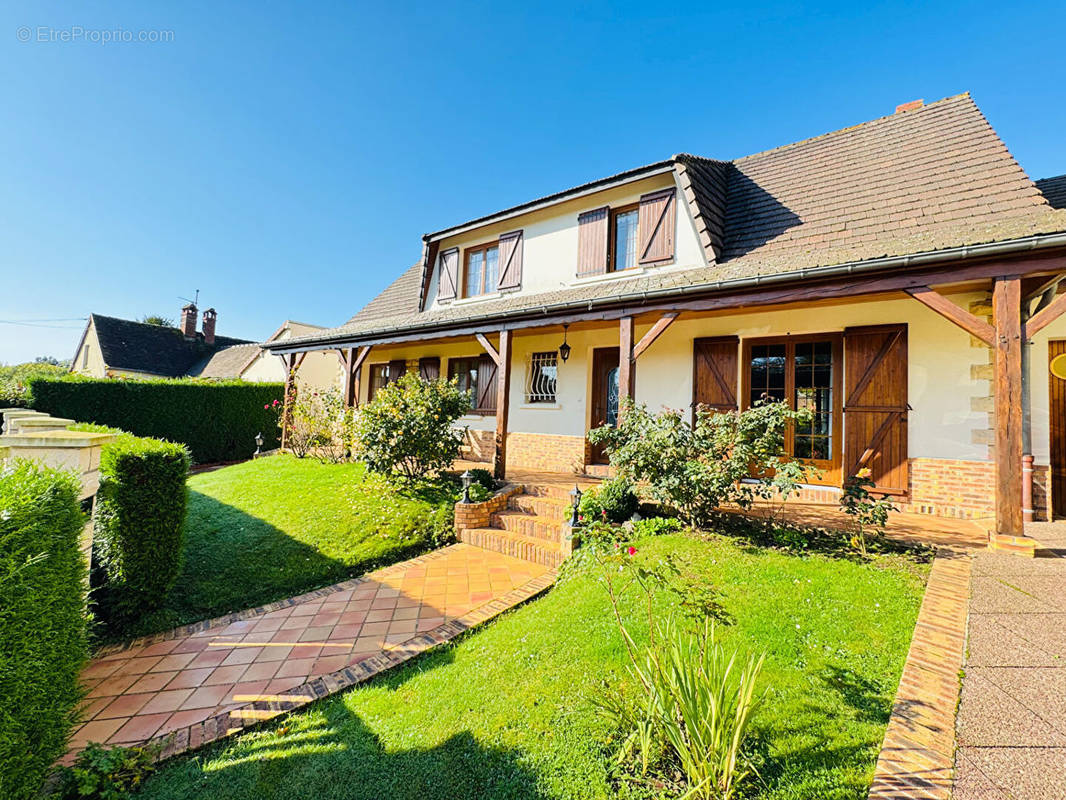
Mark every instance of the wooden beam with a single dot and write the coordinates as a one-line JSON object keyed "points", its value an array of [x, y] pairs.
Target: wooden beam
{"points": [[503, 391], [1045, 316], [1040, 287], [363, 353], [626, 387], [290, 388], [342, 356], [665, 321], [972, 324], [488, 348], [353, 379], [1007, 385]]}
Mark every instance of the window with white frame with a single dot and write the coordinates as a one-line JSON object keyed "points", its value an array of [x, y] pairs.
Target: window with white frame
{"points": [[541, 377]]}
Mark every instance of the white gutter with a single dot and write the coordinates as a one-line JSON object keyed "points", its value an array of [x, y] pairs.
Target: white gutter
{"points": [[1012, 246]]}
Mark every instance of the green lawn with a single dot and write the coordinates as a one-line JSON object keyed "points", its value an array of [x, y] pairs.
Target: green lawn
{"points": [[503, 712], [275, 527]]}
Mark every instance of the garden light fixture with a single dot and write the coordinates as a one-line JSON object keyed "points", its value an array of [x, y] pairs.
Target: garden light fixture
{"points": [[467, 479], [564, 348], [258, 443], [575, 496]]}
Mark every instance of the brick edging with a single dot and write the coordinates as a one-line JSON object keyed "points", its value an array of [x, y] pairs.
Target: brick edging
{"points": [[917, 756], [269, 706]]}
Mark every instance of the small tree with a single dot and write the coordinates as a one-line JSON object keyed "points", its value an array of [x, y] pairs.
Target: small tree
{"points": [[869, 513], [319, 424], [157, 319], [408, 430], [696, 468]]}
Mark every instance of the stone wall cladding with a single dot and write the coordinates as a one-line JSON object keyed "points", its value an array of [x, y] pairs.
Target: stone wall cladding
{"points": [[546, 452]]}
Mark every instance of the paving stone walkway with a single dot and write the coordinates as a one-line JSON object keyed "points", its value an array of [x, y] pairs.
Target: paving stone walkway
{"points": [[195, 684], [1011, 725]]}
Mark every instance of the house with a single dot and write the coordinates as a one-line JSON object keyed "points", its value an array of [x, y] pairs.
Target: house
{"points": [[112, 347], [899, 278]]}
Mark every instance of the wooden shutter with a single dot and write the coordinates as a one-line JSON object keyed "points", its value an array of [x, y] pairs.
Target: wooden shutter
{"points": [[486, 384], [592, 242], [510, 261], [875, 405], [714, 373], [448, 280], [429, 368], [656, 223], [396, 368]]}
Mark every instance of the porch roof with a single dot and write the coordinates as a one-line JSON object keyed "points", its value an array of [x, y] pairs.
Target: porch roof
{"points": [[927, 184]]}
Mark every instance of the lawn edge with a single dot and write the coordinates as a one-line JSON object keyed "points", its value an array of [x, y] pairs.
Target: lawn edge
{"points": [[917, 756]]}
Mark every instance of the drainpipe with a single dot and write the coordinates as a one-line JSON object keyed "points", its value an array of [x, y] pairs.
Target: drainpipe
{"points": [[1027, 434]]}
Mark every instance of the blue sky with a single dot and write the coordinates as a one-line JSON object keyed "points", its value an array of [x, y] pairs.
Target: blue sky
{"points": [[284, 159]]}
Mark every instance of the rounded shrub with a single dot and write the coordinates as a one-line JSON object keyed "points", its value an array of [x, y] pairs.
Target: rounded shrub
{"points": [[43, 636], [611, 501]]}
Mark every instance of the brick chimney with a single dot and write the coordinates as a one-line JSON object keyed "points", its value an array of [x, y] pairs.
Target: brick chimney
{"points": [[188, 321], [209, 326], [913, 105]]}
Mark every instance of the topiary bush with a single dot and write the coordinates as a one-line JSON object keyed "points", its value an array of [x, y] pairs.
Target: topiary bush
{"points": [[216, 420], [611, 501], [139, 523], [408, 430], [43, 636]]}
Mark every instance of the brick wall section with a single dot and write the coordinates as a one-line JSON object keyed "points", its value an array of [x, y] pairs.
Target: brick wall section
{"points": [[949, 488], [545, 452], [479, 445], [477, 515]]}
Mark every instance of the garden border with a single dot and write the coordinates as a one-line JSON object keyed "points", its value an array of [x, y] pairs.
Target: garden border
{"points": [[917, 757]]}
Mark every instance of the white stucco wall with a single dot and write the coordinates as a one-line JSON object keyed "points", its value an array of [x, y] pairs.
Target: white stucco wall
{"points": [[940, 361], [89, 354], [550, 240]]}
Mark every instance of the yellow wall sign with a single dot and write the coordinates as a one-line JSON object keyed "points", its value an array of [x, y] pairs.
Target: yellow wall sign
{"points": [[1058, 366]]}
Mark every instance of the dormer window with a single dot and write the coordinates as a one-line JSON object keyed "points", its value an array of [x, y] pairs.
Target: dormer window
{"points": [[482, 269], [623, 247]]}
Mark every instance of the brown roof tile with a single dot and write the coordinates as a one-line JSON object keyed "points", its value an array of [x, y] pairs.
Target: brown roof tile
{"points": [[917, 181]]}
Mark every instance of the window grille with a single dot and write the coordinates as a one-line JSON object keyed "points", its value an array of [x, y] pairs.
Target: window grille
{"points": [[541, 375]]}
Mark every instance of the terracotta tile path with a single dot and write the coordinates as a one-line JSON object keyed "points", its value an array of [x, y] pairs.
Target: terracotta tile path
{"points": [[195, 684]]}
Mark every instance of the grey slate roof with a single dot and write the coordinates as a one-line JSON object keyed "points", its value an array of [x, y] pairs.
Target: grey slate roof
{"points": [[155, 349], [1054, 190], [929, 179]]}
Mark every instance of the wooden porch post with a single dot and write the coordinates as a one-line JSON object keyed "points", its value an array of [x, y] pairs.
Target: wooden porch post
{"points": [[503, 391], [1007, 319], [626, 385], [289, 361], [353, 374]]}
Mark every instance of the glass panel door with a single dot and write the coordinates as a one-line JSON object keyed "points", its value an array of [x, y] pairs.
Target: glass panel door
{"points": [[813, 370]]}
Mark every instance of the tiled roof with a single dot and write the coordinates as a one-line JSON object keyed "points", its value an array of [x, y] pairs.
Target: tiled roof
{"points": [[155, 349], [229, 362], [1054, 190], [928, 179]]}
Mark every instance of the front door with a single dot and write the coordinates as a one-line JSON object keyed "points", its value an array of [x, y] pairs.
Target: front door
{"points": [[604, 409], [1057, 422]]}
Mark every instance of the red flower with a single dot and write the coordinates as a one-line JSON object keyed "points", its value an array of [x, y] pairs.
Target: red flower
{"points": [[631, 550], [267, 407]]}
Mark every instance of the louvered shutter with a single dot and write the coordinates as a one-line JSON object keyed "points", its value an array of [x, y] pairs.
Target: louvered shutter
{"points": [[448, 280], [510, 261], [656, 223], [592, 242], [396, 368], [714, 373], [429, 368], [875, 405], [486, 384]]}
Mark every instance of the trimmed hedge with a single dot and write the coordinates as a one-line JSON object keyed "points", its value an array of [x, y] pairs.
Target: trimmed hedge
{"points": [[139, 523], [217, 420], [43, 629]]}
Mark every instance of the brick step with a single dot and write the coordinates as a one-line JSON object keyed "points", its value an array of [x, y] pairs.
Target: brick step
{"points": [[551, 491], [599, 470], [538, 551], [529, 525], [550, 507]]}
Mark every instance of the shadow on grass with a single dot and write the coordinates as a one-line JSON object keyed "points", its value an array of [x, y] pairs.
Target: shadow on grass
{"points": [[334, 755], [233, 560], [868, 698], [769, 532]]}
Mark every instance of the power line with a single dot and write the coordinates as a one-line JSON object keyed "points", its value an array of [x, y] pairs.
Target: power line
{"points": [[44, 323]]}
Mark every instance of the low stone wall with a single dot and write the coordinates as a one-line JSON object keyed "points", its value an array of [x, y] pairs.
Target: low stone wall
{"points": [[546, 452], [477, 515]]}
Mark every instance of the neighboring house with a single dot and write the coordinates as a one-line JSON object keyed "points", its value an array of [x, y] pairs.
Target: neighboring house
{"points": [[320, 370], [112, 347], [883, 276]]}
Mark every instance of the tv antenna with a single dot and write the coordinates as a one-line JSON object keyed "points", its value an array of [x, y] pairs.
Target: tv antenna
{"points": [[195, 302]]}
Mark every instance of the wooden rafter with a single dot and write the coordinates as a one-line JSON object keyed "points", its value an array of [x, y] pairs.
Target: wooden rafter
{"points": [[1043, 287], [657, 329], [972, 324], [493, 354], [1045, 316]]}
